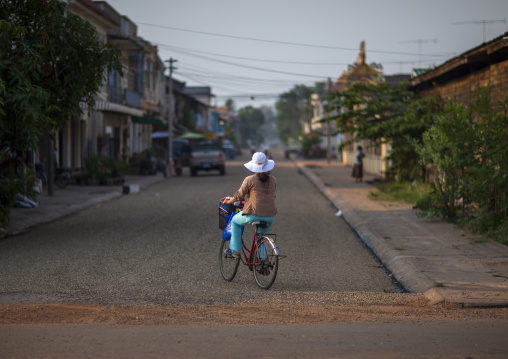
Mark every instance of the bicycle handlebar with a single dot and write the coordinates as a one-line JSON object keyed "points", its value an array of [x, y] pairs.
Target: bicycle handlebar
{"points": [[237, 204]]}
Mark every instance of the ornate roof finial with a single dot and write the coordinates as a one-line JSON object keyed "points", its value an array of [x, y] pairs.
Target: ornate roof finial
{"points": [[361, 54]]}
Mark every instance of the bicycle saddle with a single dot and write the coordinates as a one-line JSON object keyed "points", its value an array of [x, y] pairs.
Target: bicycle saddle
{"points": [[261, 224]]}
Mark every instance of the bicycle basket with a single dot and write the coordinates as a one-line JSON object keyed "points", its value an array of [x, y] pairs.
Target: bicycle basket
{"points": [[223, 213], [226, 209]]}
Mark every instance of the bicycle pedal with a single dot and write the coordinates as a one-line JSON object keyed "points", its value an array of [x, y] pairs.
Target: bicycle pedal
{"points": [[264, 271]]}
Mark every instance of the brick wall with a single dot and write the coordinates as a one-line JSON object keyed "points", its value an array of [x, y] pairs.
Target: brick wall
{"points": [[462, 88]]}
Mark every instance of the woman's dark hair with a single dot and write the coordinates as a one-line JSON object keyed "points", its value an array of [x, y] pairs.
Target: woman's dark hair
{"points": [[263, 177]]}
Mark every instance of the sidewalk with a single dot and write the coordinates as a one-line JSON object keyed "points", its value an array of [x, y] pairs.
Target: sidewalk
{"points": [[69, 200], [425, 255]]}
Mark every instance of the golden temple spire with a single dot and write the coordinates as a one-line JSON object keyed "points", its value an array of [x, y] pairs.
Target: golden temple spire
{"points": [[361, 54]]}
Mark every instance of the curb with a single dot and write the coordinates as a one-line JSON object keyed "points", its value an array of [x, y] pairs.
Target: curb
{"points": [[404, 273], [55, 215]]}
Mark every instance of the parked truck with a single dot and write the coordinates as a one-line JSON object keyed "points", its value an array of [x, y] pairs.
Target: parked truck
{"points": [[207, 156]]}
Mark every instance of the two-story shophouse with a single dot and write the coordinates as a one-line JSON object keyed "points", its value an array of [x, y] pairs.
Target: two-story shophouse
{"points": [[139, 93], [77, 138], [127, 106]]}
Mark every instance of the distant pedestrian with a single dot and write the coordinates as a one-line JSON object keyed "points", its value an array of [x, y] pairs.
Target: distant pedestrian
{"points": [[358, 166], [267, 151]]}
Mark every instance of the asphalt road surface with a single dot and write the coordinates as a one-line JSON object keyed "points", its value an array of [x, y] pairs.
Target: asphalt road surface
{"points": [[161, 247], [435, 340]]}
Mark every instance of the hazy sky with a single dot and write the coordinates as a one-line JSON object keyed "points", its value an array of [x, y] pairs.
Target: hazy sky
{"points": [[262, 48]]}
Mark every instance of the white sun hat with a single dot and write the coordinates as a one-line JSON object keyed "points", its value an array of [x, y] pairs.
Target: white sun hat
{"points": [[259, 163]]}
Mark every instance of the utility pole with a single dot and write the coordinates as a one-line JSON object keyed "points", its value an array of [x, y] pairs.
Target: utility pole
{"points": [[483, 22], [170, 118]]}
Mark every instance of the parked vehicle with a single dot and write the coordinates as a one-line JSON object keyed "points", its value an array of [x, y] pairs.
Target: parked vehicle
{"points": [[207, 156]]}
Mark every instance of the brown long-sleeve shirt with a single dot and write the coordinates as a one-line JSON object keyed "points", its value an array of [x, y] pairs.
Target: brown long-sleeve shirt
{"points": [[261, 196]]}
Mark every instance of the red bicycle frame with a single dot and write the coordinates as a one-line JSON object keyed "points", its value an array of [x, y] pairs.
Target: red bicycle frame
{"points": [[247, 258]]}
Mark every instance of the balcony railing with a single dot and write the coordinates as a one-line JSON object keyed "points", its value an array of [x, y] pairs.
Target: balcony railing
{"points": [[132, 99], [115, 95]]}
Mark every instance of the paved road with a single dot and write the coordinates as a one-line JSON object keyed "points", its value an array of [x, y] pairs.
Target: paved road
{"points": [[382, 340], [161, 246]]}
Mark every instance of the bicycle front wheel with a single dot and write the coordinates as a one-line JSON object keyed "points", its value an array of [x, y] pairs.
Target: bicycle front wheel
{"points": [[228, 265], [267, 263]]}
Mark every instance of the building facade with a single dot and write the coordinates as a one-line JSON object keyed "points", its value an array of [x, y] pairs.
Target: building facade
{"points": [[127, 107]]}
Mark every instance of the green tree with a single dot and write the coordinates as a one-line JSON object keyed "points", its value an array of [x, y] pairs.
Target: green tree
{"points": [[50, 61], [293, 112], [448, 145], [384, 114], [230, 104], [251, 120]]}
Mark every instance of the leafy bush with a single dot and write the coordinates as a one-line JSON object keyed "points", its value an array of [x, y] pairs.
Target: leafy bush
{"points": [[468, 148], [92, 166], [113, 168], [308, 141], [97, 169]]}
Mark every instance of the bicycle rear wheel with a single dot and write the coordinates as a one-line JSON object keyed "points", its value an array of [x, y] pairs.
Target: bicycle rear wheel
{"points": [[228, 265], [267, 259], [61, 181]]}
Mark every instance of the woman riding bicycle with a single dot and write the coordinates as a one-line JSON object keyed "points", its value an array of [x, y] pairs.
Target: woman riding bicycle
{"points": [[260, 204]]}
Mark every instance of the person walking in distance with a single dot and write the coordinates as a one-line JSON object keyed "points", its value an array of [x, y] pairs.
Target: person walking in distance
{"points": [[358, 165]]}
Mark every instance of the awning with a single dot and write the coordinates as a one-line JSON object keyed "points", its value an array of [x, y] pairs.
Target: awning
{"points": [[160, 135], [192, 136], [99, 105], [113, 107], [147, 120]]}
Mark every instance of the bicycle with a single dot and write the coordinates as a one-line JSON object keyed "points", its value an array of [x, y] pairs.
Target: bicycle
{"points": [[262, 258], [62, 175]]}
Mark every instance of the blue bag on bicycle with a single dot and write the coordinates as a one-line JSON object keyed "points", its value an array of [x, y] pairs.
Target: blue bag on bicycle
{"points": [[226, 234]]}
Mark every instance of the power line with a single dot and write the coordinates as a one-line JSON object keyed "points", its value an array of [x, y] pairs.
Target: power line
{"points": [[419, 42], [189, 52], [240, 82], [206, 83], [204, 72], [483, 22], [279, 42], [254, 67], [176, 48], [218, 75]]}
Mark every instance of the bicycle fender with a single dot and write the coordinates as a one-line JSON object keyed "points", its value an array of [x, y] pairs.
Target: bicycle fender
{"points": [[276, 250]]}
